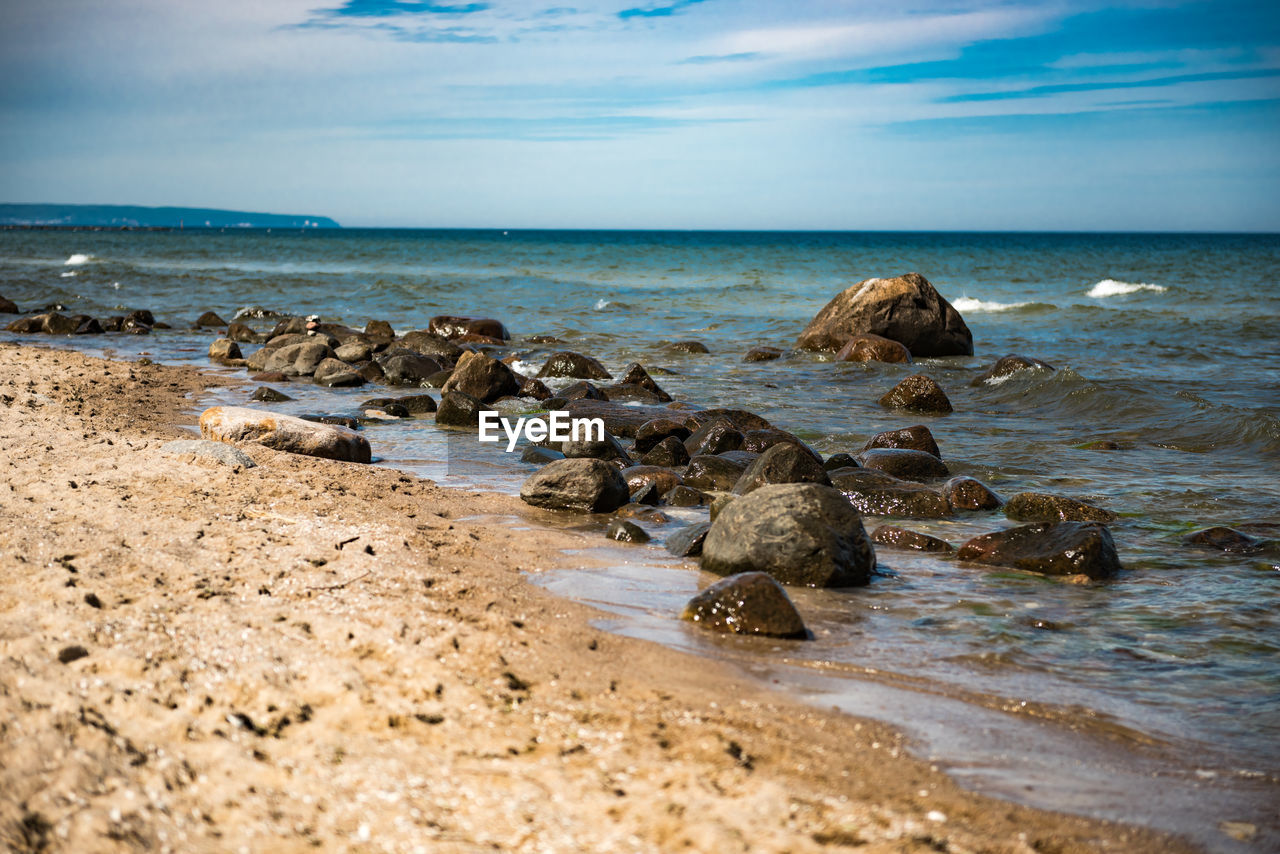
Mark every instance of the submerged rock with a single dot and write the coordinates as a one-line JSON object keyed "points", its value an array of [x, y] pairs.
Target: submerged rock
{"points": [[1048, 548], [799, 533], [873, 348], [283, 433], [1226, 540], [742, 420], [878, 494], [1007, 366], [918, 393], [762, 354], [904, 463], [685, 496], [688, 347], [901, 538], [750, 603], [626, 532], [636, 375], [1042, 507], [586, 485], [916, 438], [906, 309]]}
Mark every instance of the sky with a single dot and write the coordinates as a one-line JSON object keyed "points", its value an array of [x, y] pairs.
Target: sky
{"points": [[683, 114]]}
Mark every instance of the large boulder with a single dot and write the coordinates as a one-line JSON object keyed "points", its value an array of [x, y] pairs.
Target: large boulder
{"points": [[918, 393], [1042, 507], [906, 309], [750, 603], [803, 534], [586, 485], [483, 378], [781, 463], [1049, 548], [283, 433]]}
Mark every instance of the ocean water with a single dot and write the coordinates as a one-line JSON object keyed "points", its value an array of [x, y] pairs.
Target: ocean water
{"points": [[1165, 344]]}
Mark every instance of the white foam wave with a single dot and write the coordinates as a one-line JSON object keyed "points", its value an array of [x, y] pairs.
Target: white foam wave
{"points": [[67, 274], [527, 369], [602, 304], [1113, 288], [970, 304], [76, 260]]}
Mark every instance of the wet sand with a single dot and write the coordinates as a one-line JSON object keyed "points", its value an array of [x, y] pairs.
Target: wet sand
{"points": [[310, 654]]}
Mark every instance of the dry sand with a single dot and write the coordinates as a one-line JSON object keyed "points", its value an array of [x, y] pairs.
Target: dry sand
{"points": [[310, 654]]}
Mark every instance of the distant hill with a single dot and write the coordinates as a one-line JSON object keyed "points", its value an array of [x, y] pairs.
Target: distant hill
{"points": [[120, 216]]}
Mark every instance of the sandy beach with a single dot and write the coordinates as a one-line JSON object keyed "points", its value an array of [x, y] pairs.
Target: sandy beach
{"points": [[310, 654]]}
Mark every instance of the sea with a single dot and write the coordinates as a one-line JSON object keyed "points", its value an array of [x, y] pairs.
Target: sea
{"points": [[1152, 697]]}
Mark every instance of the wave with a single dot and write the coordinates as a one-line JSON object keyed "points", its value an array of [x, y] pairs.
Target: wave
{"points": [[1113, 288], [964, 304], [76, 260], [602, 304]]}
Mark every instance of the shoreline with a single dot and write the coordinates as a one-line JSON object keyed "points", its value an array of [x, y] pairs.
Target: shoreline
{"points": [[310, 713]]}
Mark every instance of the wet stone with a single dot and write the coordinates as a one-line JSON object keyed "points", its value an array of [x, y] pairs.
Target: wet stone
{"points": [[1042, 507], [750, 603], [917, 393], [901, 538], [839, 461], [267, 394], [782, 463], [458, 409], [584, 485], [696, 347], [1225, 539], [714, 437], [873, 348], [540, 456], [1048, 548], [625, 531], [210, 318], [916, 438], [1007, 366], [708, 471], [762, 354], [669, 452], [689, 540], [904, 463], [966, 493], [570, 364], [686, 496], [652, 432]]}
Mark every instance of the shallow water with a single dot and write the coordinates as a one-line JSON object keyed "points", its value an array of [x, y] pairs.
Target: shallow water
{"points": [[1166, 344]]}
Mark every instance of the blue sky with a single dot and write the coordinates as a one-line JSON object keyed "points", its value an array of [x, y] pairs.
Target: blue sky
{"points": [[923, 114]]}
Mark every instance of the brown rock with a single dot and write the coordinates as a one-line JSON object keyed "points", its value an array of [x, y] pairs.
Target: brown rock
{"points": [[917, 438], [966, 493], [741, 420], [1226, 540], [873, 348], [8, 306], [904, 463], [762, 354], [635, 374], [663, 479], [782, 463], [669, 452], [1042, 507], [918, 393], [714, 437], [569, 364], [906, 309], [688, 347], [448, 326], [283, 433], [1007, 366], [711, 472], [585, 485], [1048, 548], [750, 603], [210, 318], [652, 432], [224, 350], [483, 378], [901, 538]]}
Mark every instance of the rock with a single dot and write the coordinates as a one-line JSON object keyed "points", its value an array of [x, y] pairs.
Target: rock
{"points": [[583, 390], [8, 306], [670, 452], [713, 437], [685, 496], [626, 532], [219, 452], [689, 540], [637, 375], [409, 369], [288, 326], [662, 479], [269, 395], [904, 464], [906, 309], [966, 493], [608, 448], [447, 326], [1041, 507], [782, 463], [708, 471], [379, 329], [299, 359], [257, 311], [336, 373], [918, 393], [688, 347], [111, 324], [799, 533], [890, 497], [418, 404], [210, 318], [643, 512], [1226, 540], [646, 494], [1049, 548], [438, 379], [569, 364], [539, 455], [283, 433], [836, 462], [759, 441], [587, 485], [1101, 445], [741, 420], [1007, 366], [719, 501], [58, 324], [873, 348], [243, 334], [383, 408], [224, 350], [354, 351], [750, 603], [483, 378], [26, 325], [89, 327], [762, 354], [619, 419], [66, 655], [425, 343], [627, 392], [141, 316], [901, 538], [652, 432], [917, 438], [269, 377], [534, 388], [458, 409]]}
